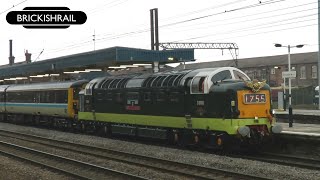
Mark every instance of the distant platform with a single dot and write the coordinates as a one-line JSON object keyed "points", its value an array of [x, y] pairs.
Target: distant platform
{"points": [[299, 112], [299, 116], [301, 129]]}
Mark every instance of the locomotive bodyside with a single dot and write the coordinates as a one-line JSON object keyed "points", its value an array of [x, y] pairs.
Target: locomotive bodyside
{"points": [[211, 106], [201, 105]]}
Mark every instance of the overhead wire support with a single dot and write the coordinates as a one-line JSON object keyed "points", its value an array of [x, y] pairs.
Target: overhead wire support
{"points": [[200, 45]]}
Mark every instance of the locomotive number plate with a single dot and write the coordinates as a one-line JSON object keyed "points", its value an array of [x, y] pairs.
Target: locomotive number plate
{"points": [[254, 98]]}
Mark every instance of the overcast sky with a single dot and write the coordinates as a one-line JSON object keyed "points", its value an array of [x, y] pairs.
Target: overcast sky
{"points": [[252, 24]]}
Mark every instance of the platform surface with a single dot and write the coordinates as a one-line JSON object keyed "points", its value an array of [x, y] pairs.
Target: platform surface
{"points": [[302, 129], [298, 111]]}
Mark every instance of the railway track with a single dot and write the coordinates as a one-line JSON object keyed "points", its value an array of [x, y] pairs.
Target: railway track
{"points": [[284, 159], [181, 170], [290, 160], [67, 166]]}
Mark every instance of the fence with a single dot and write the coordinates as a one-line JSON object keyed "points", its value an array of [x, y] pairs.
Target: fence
{"points": [[300, 95]]}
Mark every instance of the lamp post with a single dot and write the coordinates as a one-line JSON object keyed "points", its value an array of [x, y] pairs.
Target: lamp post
{"points": [[289, 69]]}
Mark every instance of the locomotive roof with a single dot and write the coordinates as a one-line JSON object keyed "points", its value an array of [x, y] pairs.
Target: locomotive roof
{"points": [[46, 86], [160, 79]]}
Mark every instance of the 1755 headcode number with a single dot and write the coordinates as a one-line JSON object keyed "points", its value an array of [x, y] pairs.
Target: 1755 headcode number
{"points": [[254, 98]]}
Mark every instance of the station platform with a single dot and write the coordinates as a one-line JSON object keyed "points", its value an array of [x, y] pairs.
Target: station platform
{"points": [[299, 112], [301, 129]]}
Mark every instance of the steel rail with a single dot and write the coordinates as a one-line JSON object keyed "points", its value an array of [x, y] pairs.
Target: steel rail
{"points": [[65, 165], [168, 166]]}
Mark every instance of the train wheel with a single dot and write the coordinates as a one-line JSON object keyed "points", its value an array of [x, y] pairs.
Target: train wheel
{"points": [[70, 126], [109, 130], [172, 137], [83, 127]]}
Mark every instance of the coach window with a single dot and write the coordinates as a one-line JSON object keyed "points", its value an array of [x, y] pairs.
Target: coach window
{"points": [[221, 76], [61, 96], [1, 97]]}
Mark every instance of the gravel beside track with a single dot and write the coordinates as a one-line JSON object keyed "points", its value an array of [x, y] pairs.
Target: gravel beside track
{"points": [[269, 170], [17, 170]]}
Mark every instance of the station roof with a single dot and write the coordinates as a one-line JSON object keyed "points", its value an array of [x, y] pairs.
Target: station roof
{"points": [[96, 59]]}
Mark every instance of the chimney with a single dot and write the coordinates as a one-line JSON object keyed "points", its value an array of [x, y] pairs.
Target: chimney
{"points": [[11, 58], [28, 56]]}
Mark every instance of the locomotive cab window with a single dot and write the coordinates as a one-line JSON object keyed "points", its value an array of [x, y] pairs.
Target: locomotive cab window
{"points": [[240, 76], [221, 76]]}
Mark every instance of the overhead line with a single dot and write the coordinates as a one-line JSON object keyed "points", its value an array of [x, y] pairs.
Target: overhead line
{"points": [[249, 28], [269, 31], [237, 22], [13, 6], [232, 10], [93, 10], [201, 10], [147, 29]]}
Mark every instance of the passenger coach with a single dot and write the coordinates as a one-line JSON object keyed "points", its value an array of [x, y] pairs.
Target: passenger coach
{"points": [[42, 101]]}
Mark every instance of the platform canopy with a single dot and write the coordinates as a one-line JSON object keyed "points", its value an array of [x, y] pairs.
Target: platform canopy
{"points": [[96, 59]]}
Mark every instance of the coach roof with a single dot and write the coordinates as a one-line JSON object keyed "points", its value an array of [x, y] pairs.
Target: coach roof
{"points": [[46, 86]]}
